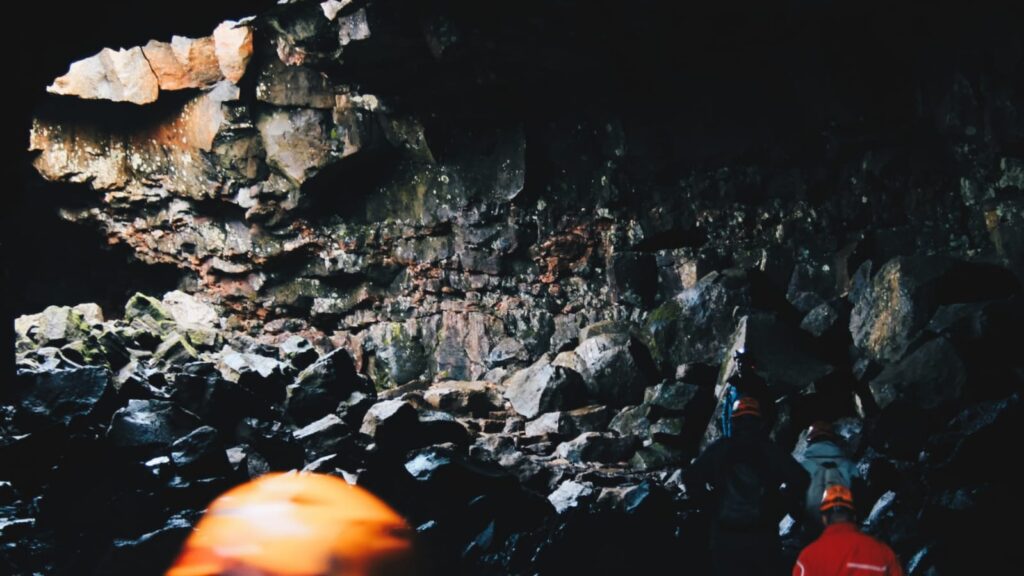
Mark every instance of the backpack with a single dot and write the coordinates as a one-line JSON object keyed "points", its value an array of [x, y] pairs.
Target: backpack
{"points": [[832, 475], [745, 491]]}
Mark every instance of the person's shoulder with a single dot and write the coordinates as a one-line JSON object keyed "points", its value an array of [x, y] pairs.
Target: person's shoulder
{"points": [[812, 550]]}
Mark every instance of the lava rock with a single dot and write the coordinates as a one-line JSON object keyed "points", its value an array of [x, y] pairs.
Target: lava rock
{"points": [[550, 424], [54, 326], [655, 457], [299, 352], [62, 397], [264, 377], [400, 355], [147, 314], [325, 436], [200, 454], [597, 447], [321, 387], [507, 352], [200, 389], [437, 427], [117, 75], [273, 446], [668, 431], [571, 494], [610, 370], [353, 409], [473, 398], [589, 418], [632, 421], [906, 291], [962, 453], [633, 277], [779, 353], [544, 387], [696, 325], [150, 424], [392, 422], [671, 397], [931, 377], [820, 320]]}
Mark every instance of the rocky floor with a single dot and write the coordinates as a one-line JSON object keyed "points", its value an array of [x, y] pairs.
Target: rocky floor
{"points": [[116, 433]]}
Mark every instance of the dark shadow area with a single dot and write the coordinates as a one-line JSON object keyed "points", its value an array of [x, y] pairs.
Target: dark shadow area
{"points": [[52, 261]]}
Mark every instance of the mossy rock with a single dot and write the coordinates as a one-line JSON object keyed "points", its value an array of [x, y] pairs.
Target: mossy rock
{"points": [[659, 334], [175, 350], [86, 351], [148, 314], [400, 358]]}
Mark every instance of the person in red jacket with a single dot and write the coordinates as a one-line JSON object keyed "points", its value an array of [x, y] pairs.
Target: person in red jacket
{"points": [[843, 550]]}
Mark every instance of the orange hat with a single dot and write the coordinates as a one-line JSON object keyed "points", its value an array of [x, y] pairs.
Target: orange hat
{"points": [[820, 430], [746, 406], [297, 524], [835, 496]]}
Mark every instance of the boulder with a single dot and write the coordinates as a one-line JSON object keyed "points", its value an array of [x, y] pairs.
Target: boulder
{"points": [[902, 297], [506, 352], [471, 398], [597, 447], [150, 425], [696, 325], [63, 397], [54, 326], [319, 389], [632, 421], [571, 494], [550, 424], [656, 456], [589, 418], [298, 352], [633, 277], [324, 436], [611, 371], [779, 353], [273, 446], [672, 397], [200, 454], [931, 377], [820, 320], [544, 387], [200, 389]]}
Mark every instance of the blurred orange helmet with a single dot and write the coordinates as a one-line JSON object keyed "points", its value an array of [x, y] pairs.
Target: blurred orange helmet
{"points": [[746, 406], [821, 430], [836, 496], [298, 524]]}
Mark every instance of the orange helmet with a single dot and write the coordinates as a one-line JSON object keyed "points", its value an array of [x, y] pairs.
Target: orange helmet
{"points": [[820, 430], [297, 524], [746, 406], [836, 496]]}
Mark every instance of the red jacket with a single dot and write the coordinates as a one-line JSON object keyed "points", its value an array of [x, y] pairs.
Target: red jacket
{"points": [[842, 550]]}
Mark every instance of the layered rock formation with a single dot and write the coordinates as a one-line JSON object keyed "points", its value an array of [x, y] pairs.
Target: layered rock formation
{"points": [[447, 255]]}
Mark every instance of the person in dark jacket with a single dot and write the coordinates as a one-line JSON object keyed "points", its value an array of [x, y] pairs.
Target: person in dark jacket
{"points": [[748, 484]]}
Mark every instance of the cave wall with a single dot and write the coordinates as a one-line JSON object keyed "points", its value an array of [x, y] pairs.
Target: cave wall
{"points": [[582, 207], [419, 183]]}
